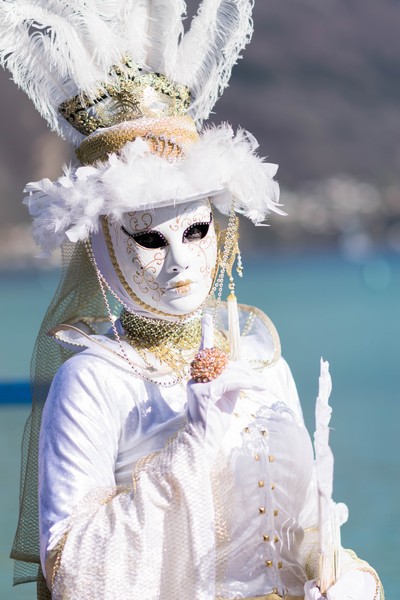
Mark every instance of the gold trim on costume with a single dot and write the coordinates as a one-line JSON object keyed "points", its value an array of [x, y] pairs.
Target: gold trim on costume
{"points": [[271, 328], [272, 596], [362, 565]]}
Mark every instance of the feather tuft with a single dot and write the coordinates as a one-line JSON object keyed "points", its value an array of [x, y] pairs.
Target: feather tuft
{"points": [[331, 515], [209, 50], [220, 165]]}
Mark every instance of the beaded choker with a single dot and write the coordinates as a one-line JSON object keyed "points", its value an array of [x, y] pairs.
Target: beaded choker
{"points": [[150, 334], [173, 343]]}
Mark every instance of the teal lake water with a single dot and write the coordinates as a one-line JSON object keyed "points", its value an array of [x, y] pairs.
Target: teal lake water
{"points": [[322, 305]]}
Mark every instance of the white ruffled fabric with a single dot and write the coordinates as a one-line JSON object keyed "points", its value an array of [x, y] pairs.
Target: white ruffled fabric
{"points": [[353, 585]]}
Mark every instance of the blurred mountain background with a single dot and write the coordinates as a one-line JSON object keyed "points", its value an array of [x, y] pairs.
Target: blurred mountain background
{"points": [[319, 87]]}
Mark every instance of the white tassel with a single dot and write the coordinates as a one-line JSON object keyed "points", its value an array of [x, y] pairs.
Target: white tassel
{"points": [[233, 324]]}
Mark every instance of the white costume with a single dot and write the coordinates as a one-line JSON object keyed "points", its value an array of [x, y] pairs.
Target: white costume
{"points": [[159, 478], [148, 510], [246, 538]]}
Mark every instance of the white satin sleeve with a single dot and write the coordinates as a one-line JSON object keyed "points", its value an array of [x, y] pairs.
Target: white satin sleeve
{"points": [[77, 447], [146, 540]]}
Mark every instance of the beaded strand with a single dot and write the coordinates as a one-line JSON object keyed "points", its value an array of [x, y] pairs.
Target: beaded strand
{"points": [[230, 239]]}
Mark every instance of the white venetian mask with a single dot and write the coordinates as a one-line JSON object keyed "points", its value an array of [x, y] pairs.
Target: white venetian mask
{"points": [[167, 256]]}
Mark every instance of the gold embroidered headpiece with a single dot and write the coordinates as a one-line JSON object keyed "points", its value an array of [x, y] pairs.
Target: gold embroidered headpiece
{"points": [[132, 104], [80, 66]]}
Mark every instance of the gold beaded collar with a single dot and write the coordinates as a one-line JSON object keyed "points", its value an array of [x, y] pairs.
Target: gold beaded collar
{"points": [[173, 343], [154, 334]]}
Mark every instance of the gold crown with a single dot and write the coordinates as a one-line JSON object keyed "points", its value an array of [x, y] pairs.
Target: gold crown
{"points": [[133, 104]]}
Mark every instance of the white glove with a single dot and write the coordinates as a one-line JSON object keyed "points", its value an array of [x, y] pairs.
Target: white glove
{"points": [[353, 585], [210, 405]]}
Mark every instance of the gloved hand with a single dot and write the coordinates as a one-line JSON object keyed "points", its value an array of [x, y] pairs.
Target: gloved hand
{"points": [[353, 585], [210, 405]]}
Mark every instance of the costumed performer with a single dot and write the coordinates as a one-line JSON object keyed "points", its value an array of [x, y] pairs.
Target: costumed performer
{"points": [[163, 471]]}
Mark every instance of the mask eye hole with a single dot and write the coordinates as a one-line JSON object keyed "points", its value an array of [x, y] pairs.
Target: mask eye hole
{"points": [[148, 239], [196, 232]]}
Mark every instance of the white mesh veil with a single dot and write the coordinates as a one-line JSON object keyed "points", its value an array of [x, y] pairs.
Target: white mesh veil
{"points": [[78, 297]]}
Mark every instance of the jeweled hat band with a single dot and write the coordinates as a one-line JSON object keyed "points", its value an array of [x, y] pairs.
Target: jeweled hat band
{"points": [[129, 94], [132, 104]]}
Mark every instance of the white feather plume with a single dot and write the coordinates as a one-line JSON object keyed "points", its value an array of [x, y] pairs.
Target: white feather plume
{"points": [[56, 49], [210, 48], [220, 165], [331, 515], [165, 33]]}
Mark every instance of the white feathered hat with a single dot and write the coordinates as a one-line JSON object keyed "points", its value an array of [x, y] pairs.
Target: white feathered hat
{"points": [[130, 89]]}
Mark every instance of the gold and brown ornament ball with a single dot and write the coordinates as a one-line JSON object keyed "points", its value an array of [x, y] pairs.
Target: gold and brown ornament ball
{"points": [[208, 364]]}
